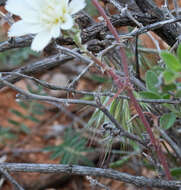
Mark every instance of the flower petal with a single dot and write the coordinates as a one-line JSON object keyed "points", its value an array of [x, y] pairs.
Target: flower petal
{"points": [[35, 4], [20, 8], [64, 3], [17, 7], [68, 22], [41, 40], [76, 5], [55, 31], [21, 28]]}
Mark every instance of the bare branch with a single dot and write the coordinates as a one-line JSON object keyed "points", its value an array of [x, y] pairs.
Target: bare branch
{"points": [[91, 171], [50, 99], [38, 67], [8, 177]]}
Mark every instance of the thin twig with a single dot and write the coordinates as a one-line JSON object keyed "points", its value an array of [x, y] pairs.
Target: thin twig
{"points": [[174, 146], [85, 70], [49, 99], [95, 183], [176, 7], [83, 92], [9, 178]]}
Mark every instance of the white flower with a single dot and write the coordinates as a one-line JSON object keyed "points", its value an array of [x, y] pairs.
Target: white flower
{"points": [[45, 18]]}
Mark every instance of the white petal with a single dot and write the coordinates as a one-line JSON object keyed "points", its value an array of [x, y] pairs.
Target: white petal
{"points": [[21, 28], [68, 22], [41, 40], [76, 5], [17, 7], [35, 4], [55, 31], [54, 3], [20, 8], [64, 3]]}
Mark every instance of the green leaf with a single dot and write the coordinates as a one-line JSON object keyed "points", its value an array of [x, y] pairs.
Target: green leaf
{"points": [[16, 56], [157, 69], [17, 113], [167, 120], [50, 148], [100, 79], [171, 61], [23, 105], [176, 172], [119, 163], [113, 107], [179, 53], [169, 76], [169, 87], [5, 133], [165, 96], [72, 149], [13, 122], [91, 9], [149, 95], [152, 81], [56, 154], [118, 110], [38, 109], [24, 129], [32, 118], [178, 94], [66, 158], [87, 97]]}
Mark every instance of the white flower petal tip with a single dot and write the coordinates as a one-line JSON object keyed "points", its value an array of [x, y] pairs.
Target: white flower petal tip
{"points": [[40, 41], [45, 18], [76, 5]]}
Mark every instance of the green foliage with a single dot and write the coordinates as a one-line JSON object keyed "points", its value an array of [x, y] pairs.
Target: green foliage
{"points": [[153, 84], [149, 95], [152, 81], [32, 110], [120, 163], [100, 79], [173, 66], [6, 133], [16, 57], [72, 150], [171, 61], [12, 58], [179, 53], [90, 9], [169, 76], [161, 82], [167, 120], [176, 172], [120, 110], [98, 117]]}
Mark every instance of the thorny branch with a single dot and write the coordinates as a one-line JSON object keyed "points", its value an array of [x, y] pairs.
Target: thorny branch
{"points": [[147, 126]]}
